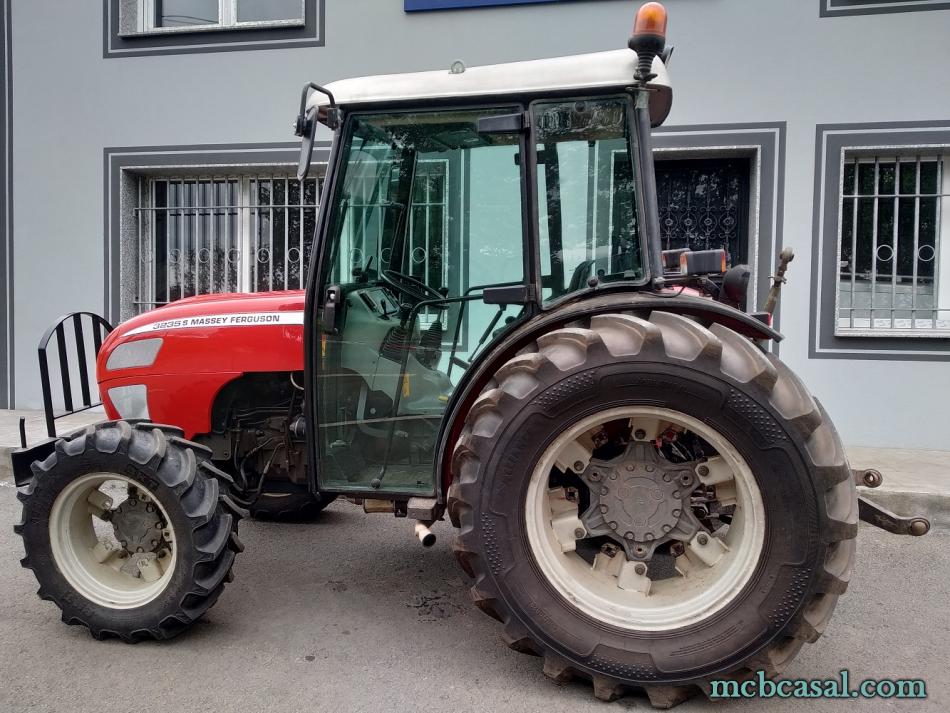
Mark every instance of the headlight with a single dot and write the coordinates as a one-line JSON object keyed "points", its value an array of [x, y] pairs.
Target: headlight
{"points": [[130, 401], [138, 353]]}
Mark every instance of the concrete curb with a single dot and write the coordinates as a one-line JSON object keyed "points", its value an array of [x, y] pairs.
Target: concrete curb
{"points": [[933, 504], [6, 469]]}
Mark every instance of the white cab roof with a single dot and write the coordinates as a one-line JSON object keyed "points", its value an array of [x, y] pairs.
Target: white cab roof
{"points": [[599, 70]]}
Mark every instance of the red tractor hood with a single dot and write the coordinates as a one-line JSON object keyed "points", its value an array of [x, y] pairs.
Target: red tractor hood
{"points": [[236, 310], [205, 343]]}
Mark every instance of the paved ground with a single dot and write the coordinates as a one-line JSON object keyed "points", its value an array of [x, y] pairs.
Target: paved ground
{"points": [[350, 614]]}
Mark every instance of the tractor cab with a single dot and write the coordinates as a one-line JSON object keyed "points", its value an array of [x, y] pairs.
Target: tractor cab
{"points": [[458, 205]]}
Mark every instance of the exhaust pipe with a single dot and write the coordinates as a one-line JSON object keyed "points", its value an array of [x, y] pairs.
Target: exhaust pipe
{"points": [[425, 535]]}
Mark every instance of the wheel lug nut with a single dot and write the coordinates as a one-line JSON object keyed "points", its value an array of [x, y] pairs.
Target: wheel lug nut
{"points": [[666, 477], [149, 508], [629, 535], [648, 537], [603, 508], [604, 491], [613, 526], [676, 513], [650, 469], [613, 476], [667, 528]]}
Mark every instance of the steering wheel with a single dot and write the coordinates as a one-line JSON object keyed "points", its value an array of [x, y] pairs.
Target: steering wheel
{"points": [[413, 288]]}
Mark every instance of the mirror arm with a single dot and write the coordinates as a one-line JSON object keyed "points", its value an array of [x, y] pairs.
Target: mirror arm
{"points": [[308, 89]]}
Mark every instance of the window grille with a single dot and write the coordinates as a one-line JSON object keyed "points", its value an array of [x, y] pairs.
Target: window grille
{"points": [[894, 279], [213, 235]]}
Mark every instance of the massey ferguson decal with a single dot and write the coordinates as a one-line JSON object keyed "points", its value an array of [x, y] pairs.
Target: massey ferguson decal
{"points": [[241, 319]]}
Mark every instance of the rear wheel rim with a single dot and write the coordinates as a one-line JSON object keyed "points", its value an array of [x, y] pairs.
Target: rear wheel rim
{"points": [[669, 603], [91, 560]]}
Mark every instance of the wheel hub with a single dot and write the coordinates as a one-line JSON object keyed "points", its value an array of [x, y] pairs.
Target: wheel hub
{"points": [[137, 525], [640, 500]]}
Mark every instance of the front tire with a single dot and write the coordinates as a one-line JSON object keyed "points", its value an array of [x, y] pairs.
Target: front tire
{"points": [[735, 398], [126, 531]]}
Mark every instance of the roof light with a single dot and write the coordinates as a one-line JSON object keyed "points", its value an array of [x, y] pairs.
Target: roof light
{"points": [[651, 20], [649, 38]]}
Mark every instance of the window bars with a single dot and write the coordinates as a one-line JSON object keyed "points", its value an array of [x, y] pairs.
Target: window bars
{"points": [[201, 236], [893, 278]]}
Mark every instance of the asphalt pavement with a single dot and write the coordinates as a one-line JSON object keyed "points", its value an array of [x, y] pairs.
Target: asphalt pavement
{"points": [[351, 614]]}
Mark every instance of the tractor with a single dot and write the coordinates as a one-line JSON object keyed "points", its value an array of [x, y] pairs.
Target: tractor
{"points": [[645, 496]]}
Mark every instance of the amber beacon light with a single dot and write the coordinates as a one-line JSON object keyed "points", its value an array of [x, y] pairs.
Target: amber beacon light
{"points": [[648, 39]]}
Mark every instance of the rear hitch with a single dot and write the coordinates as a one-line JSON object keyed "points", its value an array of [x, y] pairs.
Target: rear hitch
{"points": [[881, 517], [886, 520]]}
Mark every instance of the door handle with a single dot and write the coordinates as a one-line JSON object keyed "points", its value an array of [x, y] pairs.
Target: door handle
{"points": [[332, 309]]}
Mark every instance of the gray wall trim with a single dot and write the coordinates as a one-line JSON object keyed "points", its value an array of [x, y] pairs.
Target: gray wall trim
{"points": [[311, 34], [831, 140], [764, 143], [837, 8], [7, 396], [146, 159]]}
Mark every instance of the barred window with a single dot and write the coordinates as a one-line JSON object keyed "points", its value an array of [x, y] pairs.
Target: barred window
{"points": [[894, 274], [211, 235]]}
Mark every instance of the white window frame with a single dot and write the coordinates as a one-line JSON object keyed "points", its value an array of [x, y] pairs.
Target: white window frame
{"points": [[938, 325], [227, 20]]}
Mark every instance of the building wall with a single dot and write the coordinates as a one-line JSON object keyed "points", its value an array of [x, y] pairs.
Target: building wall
{"points": [[782, 63]]}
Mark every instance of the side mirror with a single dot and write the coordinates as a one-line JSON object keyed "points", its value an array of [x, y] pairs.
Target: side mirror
{"points": [[306, 129], [306, 125]]}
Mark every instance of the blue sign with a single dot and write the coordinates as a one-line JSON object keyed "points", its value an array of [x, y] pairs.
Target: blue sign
{"points": [[418, 5]]}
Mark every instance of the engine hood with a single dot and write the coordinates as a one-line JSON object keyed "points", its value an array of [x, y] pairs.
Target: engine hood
{"points": [[191, 349], [209, 311], [213, 334]]}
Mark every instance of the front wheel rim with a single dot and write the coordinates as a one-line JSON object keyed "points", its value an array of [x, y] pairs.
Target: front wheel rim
{"points": [[91, 561], [664, 604]]}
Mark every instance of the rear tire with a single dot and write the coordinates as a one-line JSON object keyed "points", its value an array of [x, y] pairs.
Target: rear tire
{"points": [[290, 507], [713, 376], [198, 533]]}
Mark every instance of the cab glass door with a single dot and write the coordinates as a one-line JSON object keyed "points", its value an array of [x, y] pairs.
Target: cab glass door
{"points": [[426, 215]]}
